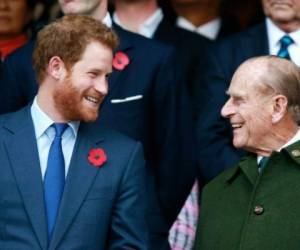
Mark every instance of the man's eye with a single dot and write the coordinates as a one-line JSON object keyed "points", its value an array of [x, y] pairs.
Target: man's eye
{"points": [[92, 74], [237, 100]]}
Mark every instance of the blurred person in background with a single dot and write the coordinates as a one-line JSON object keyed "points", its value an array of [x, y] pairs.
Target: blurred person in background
{"points": [[15, 17], [203, 17], [214, 19], [147, 18]]}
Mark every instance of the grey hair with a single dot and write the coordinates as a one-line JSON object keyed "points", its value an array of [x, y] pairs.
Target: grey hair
{"points": [[282, 77]]}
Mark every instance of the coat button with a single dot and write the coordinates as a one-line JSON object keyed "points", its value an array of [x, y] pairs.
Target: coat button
{"points": [[296, 153], [258, 210]]}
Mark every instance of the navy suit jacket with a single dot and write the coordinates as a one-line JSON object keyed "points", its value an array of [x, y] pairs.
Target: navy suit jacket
{"points": [[191, 51], [101, 208], [161, 119], [216, 151]]}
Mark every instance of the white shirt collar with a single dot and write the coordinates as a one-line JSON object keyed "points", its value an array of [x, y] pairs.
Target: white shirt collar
{"points": [[209, 29], [148, 27], [275, 34], [107, 20], [42, 121], [295, 138]]}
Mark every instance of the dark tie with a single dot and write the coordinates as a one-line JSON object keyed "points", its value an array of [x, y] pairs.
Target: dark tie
{"points": [[262, 164], [285, 42], [55, 177]]}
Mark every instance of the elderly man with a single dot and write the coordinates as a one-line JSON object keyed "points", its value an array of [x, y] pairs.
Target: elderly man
{"points": [[254, 205], [278, 35]]}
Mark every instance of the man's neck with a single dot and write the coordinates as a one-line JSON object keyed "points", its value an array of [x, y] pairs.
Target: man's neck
{"points": [[288, 27], [133, 14], [46, 103], [100, 12], [198, 14], [281, 135]]}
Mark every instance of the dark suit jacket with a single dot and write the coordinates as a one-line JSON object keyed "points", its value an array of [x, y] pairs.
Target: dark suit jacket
{"points": [[216, 151], [161, 119], [191, 51], [228, 218], [101, 208]]}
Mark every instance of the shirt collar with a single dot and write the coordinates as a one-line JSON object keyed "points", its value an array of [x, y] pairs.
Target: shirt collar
{"points": [[107, 20], [275, 34], [42, 121], [254, 159], [148, 27], [295, 138], [209, 29]]}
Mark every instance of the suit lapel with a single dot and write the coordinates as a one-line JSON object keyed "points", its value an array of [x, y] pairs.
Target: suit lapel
{"points": [[80, 177], [166, 32], [126, 47], [23, 155], [257, 40]]}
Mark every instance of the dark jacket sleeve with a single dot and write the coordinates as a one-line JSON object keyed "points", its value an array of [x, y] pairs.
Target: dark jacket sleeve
{"points": [[174, 138], [214, 132]]}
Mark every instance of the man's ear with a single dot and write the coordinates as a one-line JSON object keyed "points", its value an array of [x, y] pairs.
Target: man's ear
{"points": [[56, 68], [280, 104]]}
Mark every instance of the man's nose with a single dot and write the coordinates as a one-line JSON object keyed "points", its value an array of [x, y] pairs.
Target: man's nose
{"points": [[228, 109], [101, 86]]}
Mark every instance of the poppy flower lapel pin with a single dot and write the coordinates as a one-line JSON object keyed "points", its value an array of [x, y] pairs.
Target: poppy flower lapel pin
{"points": [[97, 157], [120, 60]]}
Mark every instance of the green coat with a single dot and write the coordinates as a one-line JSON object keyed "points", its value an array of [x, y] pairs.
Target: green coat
{"points": [[242, 209]]}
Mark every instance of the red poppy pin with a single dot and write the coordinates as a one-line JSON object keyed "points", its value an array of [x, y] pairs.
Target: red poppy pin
{"points": [[120, 60], [97, 157]]}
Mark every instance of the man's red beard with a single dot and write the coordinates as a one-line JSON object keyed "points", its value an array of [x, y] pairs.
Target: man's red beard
{"points": [[69, 100]]}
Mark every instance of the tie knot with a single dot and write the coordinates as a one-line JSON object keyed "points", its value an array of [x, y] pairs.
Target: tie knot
{"points": [[263, 162], [286, 41], [59, 128]]}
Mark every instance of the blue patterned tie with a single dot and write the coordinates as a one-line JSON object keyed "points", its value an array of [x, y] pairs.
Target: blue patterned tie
{"points": [[55, 177], [285, 42]]}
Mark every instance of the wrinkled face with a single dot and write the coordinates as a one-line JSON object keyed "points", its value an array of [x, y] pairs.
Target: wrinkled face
{"points": [[249, 112], [79, 95], [14, 15], [282, 11], [86, 7]]}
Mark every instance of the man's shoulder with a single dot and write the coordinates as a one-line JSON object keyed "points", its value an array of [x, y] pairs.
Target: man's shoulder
{"points": [[237, 40], [95, 130], [23, 52], [139, 41], [15, 121], [231, 51], [218, 184]]}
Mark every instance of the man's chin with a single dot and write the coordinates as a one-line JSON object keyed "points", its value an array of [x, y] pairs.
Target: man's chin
{"points": [[90, 117], [237, 144]]}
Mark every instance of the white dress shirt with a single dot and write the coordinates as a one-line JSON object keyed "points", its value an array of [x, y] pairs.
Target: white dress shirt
{"points": [[107, 20], [274, 36], [148, 27], [210, 29], [44, 134]]}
